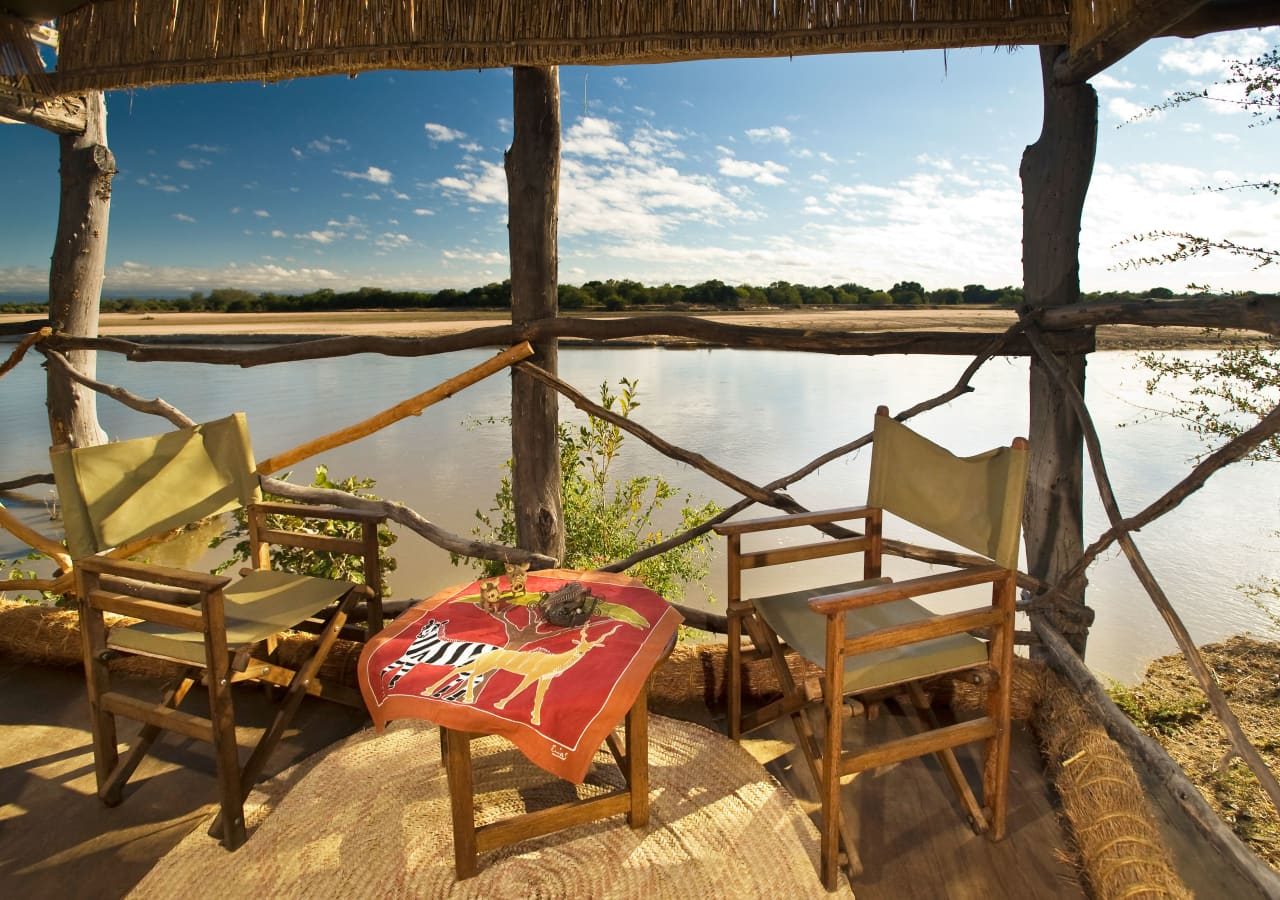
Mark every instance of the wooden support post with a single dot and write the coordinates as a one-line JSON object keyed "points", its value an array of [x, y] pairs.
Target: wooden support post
{"points": [[533, 189], [1055, 177], [75, 274]]}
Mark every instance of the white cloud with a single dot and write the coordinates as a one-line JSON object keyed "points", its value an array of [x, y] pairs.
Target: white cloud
{"points": [[766, 172], [1105, 82], [206, 148], [438, 133], [1212, 56], [812, 207], [297, 154], [1144, 198], [470, 147], [935, 162], [490, 257], [183, 217], [595, 137], [648, 141], [161, 183], [373, 195], [504, 125], [1224, 138], [327, 144], [262, 214], [328, 236], [487, 185], [277, 233], [424, 212], [389, 240], [1126, 110], [772, 133], [372, 174]]}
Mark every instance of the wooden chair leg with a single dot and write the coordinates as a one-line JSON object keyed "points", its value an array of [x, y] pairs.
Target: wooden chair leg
{"points": [[950, 765], [111, 793], [829, 788], [995, 770], [733, 677], [288, 708], [456, 747], [98, 682], [227, 753], [637, 737], [372, 578]]}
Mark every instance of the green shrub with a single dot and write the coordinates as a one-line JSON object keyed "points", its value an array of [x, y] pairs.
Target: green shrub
{"points": [[338, 566], [606, 521]]}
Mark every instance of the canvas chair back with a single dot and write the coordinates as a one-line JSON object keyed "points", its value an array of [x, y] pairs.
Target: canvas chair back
{"points": [[115, 493], [974, 501]]}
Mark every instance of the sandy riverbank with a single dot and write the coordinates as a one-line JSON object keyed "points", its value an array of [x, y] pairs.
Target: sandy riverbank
{"points": [[420, 323]]}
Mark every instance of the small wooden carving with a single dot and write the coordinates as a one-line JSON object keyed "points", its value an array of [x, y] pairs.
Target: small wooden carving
{"points": [[568, 606], [516, 577], [490, 595]]}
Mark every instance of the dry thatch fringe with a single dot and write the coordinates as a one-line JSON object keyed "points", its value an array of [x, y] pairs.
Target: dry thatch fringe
{"points": [[1091, 18], [1119, 843], [51, 637], [140, 42], [21, 68]]}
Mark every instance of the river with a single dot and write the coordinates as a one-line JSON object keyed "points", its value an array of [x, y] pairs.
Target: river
{"points": [[760, 414]]}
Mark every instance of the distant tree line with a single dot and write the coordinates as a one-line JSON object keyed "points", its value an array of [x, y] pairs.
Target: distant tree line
{"points": [[594, 295]]}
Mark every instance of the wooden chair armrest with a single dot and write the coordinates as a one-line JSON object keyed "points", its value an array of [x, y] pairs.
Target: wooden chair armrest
{"points": [[912, 587], [146, 572], [793, 520], [310, 511]]}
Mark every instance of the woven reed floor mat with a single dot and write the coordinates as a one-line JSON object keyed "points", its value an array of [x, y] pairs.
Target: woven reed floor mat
{"points": [[370, 818]]}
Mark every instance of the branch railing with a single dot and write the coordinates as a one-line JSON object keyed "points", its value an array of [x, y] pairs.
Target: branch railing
{"points": [[1028, 336]]}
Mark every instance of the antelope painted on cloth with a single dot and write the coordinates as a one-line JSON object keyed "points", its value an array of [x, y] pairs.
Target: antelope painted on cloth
{"points": [[538, 666]]}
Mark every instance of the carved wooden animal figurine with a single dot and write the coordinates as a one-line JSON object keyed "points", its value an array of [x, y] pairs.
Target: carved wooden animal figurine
{"points": [[516, 576], [490, 595], [534, 666]]}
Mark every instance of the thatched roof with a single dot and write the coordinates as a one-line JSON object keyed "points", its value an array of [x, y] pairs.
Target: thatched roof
{"points": [[142, 42], [132, 43]]}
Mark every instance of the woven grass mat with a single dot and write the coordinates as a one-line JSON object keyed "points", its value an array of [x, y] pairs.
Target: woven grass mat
{"points": [[370, 818]]}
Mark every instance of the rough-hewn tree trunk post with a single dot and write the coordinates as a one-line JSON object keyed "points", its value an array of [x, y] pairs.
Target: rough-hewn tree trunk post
{"points": [[75, 274], [1055, 177], [533, 189]]}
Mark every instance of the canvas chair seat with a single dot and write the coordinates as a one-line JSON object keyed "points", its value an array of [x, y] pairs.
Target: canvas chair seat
{"points": [[263, 603], [791, 618]]}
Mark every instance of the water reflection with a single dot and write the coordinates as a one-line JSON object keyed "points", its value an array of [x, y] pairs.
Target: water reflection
{"points": [[759, 413]]}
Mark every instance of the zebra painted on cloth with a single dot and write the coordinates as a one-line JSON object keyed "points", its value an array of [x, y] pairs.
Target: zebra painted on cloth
{"points": [[432, 647]]}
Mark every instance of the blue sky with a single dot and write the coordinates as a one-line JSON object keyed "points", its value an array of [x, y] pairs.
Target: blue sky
{"points": [[871, 168]]}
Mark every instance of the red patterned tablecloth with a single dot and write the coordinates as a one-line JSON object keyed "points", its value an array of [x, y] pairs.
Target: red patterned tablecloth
{"points": [[498, 667]]}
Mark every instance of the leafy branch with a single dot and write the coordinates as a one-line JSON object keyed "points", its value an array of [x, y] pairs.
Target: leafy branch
{"points": [[1190, 246], [604, 520]]}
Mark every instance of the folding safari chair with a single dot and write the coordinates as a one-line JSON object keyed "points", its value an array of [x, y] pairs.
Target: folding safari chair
{"points": [[871, 638], [217, 630]]}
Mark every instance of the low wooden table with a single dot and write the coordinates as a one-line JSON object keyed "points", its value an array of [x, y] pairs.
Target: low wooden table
{"points": [[469, 841], [481, 659]]}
